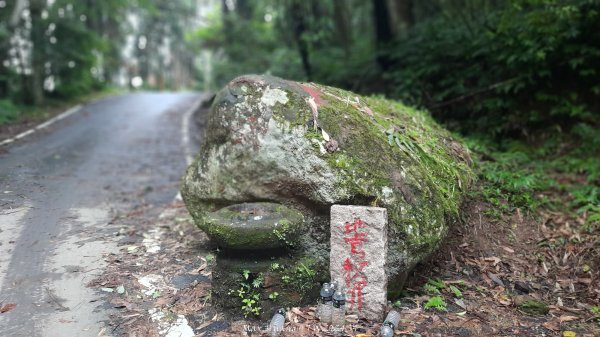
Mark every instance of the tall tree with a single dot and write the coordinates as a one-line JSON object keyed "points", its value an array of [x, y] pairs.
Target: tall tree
{"points": [[402, 15], [296, 13], [341, 17], [38, 54], [383, 31]]}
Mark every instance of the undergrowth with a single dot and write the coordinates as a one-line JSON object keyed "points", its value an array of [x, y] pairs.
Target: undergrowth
{"points": [[557, 171]]}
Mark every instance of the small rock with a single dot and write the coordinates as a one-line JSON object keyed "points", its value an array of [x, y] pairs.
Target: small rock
{"points": [[522, 287], [269, 281], [185, 280], [496, 279]]}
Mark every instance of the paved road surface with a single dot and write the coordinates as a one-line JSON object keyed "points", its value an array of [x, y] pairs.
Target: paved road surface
{"points": [[60, 189]]}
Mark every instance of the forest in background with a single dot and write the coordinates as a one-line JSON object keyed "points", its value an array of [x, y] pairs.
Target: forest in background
{"points": [[517, 79]]}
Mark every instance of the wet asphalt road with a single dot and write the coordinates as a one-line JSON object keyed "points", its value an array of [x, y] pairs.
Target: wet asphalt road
{"points": [[59, 190]]}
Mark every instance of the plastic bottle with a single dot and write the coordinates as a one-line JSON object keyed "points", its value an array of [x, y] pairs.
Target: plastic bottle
{"points": [[338, 313], [391, 322], [334, 285], [276, 325], [324, 308]]}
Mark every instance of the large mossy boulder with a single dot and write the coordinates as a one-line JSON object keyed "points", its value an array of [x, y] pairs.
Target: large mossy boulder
{"points": [[307, 146]]}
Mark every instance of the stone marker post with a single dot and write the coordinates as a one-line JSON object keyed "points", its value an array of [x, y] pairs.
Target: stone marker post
{"points": [[357, 258]]}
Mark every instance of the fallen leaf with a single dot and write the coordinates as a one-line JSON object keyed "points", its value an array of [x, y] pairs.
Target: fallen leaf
{"points": [[508, 249], [504, 300], [495, 260], [7, 307], [568, 333], [496, 279], [553, 325], [460, 303], [366, 110], [566, 318], [203, 266], [315, 111]]}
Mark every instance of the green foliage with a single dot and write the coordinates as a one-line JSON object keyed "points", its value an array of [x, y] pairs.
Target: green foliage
{"points": [[301, 276], [8, 111], [516, 174], [434, 286], [457, 293], [271, 36], [517, 65], [437, 303], [249, 294], [273, 296]]}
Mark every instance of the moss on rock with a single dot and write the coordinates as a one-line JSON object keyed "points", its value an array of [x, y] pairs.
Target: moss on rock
{"points": [[254, 226]]}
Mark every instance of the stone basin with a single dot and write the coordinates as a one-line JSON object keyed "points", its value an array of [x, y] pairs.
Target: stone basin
{"points": [[254, 226]]}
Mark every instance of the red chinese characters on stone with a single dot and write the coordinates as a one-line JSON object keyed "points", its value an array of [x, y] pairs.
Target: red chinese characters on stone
{"points": [[353, 266]]}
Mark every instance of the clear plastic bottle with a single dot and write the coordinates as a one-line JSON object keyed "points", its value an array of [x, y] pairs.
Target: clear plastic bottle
{"points": [[324, 308], [276, 325], [338, 313], [391, 322], [334, 285]]}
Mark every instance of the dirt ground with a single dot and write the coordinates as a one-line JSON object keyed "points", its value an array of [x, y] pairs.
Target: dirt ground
{"points": [[497, 264]]}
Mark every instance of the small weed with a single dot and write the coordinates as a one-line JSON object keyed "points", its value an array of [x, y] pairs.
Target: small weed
{"points": [[250, 306], [210, 258], [437, 303], [301, 277], [273, 296], [457, 293], [428, 288], [434, 286], [248, 293], [283, 233], [257, 282]]}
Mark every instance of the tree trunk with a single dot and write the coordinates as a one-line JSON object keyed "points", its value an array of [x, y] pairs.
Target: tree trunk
{"points": [[243, 9], [402, 14], [383, 32], [38, 40], [19, 6], [343, 29], [299, 27]]}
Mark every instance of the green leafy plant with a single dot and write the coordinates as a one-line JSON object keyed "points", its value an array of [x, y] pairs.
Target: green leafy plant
{"points": [[275, 266], [437, 303], [457, 293], [282, 233], [273, 296], [434, 286], [210, 258], [250, 306], [248, 292]]}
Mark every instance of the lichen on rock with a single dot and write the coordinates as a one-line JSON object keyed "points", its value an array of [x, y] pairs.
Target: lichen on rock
{"points": [[309, 146]]}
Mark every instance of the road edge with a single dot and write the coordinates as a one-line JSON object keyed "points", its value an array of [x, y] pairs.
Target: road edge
{"points": [[42, 125]]}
